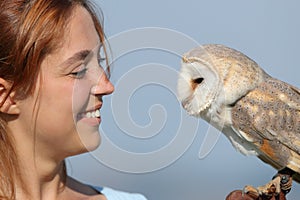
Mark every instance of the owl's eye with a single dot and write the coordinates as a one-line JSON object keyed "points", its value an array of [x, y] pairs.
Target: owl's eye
{"points": [[196, 82]]}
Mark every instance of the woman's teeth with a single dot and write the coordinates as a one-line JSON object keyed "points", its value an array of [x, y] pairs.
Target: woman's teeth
{"points": [[92, 114]]}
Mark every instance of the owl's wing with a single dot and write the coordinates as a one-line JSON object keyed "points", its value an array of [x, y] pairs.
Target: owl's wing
{"points": [[269, 117]]}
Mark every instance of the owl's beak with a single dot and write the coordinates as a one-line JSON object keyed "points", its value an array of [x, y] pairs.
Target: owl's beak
{"points": [[184, 59]]}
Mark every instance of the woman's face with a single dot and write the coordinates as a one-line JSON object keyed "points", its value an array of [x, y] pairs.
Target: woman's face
{"points": [[69, 93]]}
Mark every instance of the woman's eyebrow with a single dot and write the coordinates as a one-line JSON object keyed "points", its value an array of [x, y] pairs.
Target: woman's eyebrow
{"points": [[79, 56]]}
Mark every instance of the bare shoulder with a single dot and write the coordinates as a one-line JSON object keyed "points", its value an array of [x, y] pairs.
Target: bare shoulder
{"points": [[83, 191]]}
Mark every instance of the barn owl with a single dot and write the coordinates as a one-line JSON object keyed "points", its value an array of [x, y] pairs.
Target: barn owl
{"points": [[259, 114]]}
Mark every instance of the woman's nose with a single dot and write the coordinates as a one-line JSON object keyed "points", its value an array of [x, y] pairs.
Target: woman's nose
{"points": [[103, 86]]}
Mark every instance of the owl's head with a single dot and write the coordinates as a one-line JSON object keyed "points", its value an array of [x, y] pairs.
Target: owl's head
{"points": [[215, 74]]}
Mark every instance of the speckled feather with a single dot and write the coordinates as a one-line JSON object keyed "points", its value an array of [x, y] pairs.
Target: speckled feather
{"points": [[270, 115]]}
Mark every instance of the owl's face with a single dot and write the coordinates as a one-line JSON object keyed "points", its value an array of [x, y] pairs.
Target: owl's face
{"points": [[198, 83], [214, 75]]}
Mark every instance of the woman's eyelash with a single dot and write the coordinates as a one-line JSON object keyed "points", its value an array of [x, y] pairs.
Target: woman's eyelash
{"points": [[79, 74]]}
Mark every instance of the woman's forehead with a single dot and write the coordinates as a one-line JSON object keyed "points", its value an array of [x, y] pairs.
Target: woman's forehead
{"points": [[81, 34], [80, 37]]}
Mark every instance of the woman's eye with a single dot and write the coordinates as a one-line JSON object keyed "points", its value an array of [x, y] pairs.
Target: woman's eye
{"points": [[79, 74]]}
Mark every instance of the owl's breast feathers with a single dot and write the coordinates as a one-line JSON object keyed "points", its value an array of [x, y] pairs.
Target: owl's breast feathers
{"points": [[269, 117]]}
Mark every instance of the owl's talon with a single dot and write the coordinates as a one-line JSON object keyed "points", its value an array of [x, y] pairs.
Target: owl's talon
{"points": [[280, 183], [271, 189], [251, 191]]}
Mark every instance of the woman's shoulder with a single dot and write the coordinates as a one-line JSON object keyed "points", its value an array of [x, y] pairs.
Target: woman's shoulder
{"points": [[112, 194]]}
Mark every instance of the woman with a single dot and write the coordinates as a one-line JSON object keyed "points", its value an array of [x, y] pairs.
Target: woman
{"points": [[51, 89]]}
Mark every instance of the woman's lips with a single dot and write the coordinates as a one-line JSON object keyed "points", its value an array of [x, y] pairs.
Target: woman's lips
{"points": [[92, 118]]}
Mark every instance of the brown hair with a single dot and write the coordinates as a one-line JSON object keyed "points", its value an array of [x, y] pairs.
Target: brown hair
{"points": [[30, 30]]}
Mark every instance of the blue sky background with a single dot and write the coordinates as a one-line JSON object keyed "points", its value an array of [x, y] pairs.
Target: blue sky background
{"points": [[143, 116]]}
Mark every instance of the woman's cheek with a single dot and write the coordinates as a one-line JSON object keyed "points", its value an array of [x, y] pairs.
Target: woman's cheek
{"points": [[81, 92]]}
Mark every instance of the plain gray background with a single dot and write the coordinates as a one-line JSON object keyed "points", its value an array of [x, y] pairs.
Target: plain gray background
{"points": [[267, 31]]}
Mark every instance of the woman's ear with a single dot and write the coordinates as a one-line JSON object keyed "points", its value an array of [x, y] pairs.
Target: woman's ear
{"points": [[7, 101]]}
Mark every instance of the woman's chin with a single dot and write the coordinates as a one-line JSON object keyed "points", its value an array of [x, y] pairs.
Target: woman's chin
{"points": [[91, 142], [89, 136]]}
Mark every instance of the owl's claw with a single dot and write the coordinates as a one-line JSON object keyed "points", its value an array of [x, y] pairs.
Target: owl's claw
{"points": [[251, 191], [280, 183], [270, 189]]}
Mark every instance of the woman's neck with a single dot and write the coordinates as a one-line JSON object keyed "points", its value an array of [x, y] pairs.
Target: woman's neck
{"points": [[40, 180], [41, 174]]}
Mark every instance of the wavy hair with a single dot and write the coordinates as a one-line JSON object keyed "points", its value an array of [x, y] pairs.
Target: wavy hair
{"points": [[30, 30]]}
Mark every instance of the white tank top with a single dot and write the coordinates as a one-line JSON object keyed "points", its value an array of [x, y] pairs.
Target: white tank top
{"points": [[112, 194]]}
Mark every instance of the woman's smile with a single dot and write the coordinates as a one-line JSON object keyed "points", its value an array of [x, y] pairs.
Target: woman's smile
{"points": [[92, 117]]}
